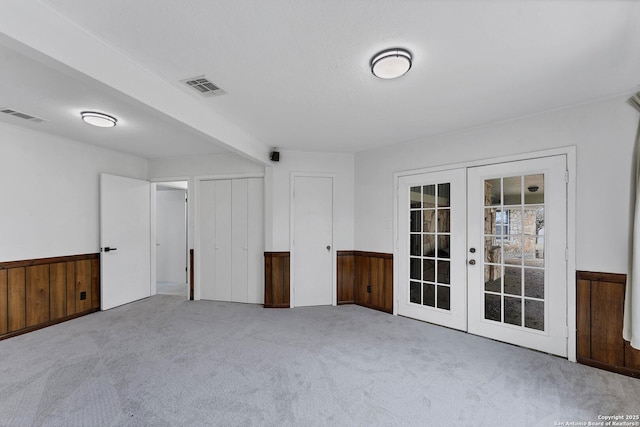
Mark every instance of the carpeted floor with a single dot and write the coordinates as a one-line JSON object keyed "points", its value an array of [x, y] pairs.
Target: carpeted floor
{"points": [[165, 361], [171, 288]]}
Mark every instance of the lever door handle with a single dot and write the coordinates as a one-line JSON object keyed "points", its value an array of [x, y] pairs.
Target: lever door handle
{"points": [[108, 249]]}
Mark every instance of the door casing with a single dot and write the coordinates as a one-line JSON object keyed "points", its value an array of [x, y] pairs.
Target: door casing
{"points": [[570, 153], [189, 225]]}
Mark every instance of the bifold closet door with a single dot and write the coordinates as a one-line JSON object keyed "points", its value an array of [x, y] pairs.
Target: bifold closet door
{"points": [[231, 240], [239, 241], [255, 241], [215, 239]]}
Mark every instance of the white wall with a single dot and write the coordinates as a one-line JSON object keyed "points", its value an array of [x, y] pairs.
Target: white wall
{"points": [[214, 164], [603, 133], [278, 191], [277, 187], [49, 192], [171, 236], [186, 168]]}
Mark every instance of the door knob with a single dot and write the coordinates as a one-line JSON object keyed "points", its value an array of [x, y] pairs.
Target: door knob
{"points": [[472, 250], [328, 247], [472, 262]]}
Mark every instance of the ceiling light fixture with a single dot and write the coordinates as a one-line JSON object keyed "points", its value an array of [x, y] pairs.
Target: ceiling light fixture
{"points": [[98, 119], [391, 63]]}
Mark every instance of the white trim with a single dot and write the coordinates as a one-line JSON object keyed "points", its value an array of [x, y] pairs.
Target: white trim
{"points": [[571, 249], [570, 153], [196, 239], [152, 241], [334, 280]]}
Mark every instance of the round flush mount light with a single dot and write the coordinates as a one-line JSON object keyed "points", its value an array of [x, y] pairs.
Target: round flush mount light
{"points": [[98, 119], [391, 63]]}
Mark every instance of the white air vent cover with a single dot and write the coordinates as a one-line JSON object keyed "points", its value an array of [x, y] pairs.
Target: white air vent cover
{"points": [[203, 85], [21, 115]]}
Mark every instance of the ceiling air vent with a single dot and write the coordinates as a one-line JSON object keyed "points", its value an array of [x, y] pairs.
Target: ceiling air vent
{"points": [[21, 115], [203, 85]]}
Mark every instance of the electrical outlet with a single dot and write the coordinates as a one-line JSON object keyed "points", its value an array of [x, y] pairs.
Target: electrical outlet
{"points": [[83, 295], [368, 289]]}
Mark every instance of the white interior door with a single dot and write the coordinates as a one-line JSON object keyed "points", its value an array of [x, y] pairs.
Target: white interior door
{"points": [[239, 241], [312, 281], [125, 233], [432, 234], [255, 240], [518, 268], [230, 228], [215, 239]]}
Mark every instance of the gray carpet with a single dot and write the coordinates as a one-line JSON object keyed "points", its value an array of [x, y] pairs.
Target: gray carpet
{"points": [[165, 361], [171, 288]]}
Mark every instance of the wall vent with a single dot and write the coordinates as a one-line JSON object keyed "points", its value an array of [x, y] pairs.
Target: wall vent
{"points": [[21, 115], [203, 85]]}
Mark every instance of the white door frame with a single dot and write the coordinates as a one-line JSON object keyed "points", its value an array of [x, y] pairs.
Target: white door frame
{"points": [[154, 224], [197, 274], [334, 280], [570, 153]]}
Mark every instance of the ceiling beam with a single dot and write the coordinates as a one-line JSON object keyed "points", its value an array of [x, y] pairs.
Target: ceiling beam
{"points": [[42, 29]]}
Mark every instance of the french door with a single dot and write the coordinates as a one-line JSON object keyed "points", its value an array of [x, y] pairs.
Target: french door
{"points": [[433, 241], [498, 268]]}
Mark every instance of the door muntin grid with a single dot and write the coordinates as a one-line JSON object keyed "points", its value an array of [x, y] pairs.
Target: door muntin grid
{"points": [[513, 252], [430, 245]]}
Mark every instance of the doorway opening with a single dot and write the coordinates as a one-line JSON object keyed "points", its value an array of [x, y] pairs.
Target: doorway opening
{"points": [[172, 238]]}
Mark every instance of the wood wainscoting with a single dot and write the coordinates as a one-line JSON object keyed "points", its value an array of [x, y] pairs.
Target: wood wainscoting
{"points": [[277, 279], [600, 311], [365, 278], [41, 292]]}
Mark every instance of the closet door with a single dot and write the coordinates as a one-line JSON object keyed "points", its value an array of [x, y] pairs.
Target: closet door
{"points": [[239, 241], [215, 239], [255, 224], [231, 218]]}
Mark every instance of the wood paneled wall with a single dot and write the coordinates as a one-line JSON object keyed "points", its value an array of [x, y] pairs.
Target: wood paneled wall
{"points": [[277, 279], [346, 271], [600, 308], [365, 278], [41, 292]]}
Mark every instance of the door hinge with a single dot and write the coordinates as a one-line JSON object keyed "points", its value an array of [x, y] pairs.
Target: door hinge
{"points": [[566, 254], [566, 176]]}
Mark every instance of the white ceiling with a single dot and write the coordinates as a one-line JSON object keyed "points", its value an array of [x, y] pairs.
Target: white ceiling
{"points": [[296, 72], [38, 87]]}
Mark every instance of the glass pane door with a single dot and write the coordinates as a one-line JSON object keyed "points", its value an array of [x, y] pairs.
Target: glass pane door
{"points": [[513, 233], [432, 244], [517, 240]]}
